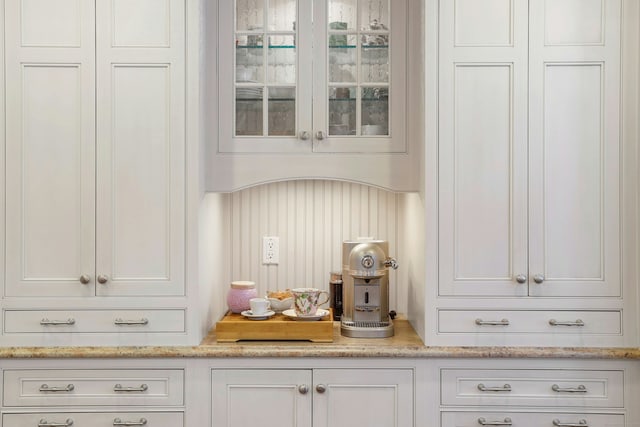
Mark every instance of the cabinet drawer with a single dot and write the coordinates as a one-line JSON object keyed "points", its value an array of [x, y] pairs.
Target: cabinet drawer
{"points": [[528, 419], [93, 387], [100, 419], [532, 387], [518, 322], [93, 321]]}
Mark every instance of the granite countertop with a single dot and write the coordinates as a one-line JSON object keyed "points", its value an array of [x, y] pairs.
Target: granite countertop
{"points": [[405, 344]]}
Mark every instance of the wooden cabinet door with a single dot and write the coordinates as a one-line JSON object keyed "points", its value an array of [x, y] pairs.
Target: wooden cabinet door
{"points": [[50, 147], [140, 202], [574, 146], [261, 397], [366, 397]]}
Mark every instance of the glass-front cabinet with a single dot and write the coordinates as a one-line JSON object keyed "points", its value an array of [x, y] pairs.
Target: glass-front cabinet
{"points": [[312, 76]]}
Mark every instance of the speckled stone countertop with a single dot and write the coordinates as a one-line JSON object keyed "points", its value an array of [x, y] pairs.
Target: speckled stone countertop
{"points": [[405, 344]]}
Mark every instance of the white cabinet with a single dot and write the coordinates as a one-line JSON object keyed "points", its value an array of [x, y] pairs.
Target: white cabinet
{"points": [[302, 83], [318, 397], [95, 148], [530, 180]]}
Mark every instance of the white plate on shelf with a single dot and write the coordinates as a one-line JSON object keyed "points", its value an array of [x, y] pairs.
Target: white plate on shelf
{"points": [[291, 313], [249, 315]]}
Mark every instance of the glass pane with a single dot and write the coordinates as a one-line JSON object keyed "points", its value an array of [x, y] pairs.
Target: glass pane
{"points": [[249, 15], [249, 111], [374, 14], [375, 60], [343, 14], [375, 111], [342, 58], [282, 111], [342, 111], [249, 60], [281, 60], [282, 15]]}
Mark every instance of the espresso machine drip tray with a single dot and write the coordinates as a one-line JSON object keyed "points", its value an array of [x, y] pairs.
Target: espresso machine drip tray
{"points": [[363, 329]]}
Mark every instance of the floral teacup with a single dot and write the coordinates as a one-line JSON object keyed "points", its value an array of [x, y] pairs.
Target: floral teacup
{"points": [[306, 300]]}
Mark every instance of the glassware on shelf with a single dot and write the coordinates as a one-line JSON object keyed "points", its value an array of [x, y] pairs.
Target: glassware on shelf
{"points": [[342, 110], [374, 118], [343, 11], [249, 14], [281, 59], [249, 111], [342, 58], [282, 111]]}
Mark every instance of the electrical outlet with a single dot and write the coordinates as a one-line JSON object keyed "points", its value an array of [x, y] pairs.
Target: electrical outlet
{"points": [[270, 250]]}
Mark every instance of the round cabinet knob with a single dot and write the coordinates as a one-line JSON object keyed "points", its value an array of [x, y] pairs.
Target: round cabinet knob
{"points": [[304, 135], [538, 278], [320, 135], [102, 279], [303, 389], [321, 388], [521, 278], [85, 279]]}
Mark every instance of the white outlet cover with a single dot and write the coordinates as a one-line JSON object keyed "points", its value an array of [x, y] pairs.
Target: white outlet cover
{"points": [[270, 250]]}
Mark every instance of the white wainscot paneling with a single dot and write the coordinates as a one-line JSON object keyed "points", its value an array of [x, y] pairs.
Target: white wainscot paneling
{"points": [[312, 219], [483, 22], [574, 22], [51, 23], [141, 23]]}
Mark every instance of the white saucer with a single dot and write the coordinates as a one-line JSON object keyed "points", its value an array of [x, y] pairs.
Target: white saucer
{"points": [[320, 313], [249, 315]]}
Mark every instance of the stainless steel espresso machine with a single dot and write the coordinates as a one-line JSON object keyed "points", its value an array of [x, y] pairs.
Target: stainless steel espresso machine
{"points": [[365, 288]]}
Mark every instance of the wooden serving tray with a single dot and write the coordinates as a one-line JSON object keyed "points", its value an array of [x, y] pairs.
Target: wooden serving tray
{"points": [[235, 327]]}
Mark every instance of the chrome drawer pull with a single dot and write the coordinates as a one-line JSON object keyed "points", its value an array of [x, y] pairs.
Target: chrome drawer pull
{"points": [[46, 389], [503, 322], [119, 422], [142, 321], [554, 322], [119, 388], [581, 423], [44, 423], [46, 322], [484, 422], [505, 387], [580, 389]]}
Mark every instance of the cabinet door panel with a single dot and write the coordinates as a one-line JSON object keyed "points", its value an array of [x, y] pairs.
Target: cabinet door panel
{"points": [[371, 397], [268, 398], [50, 155], [141, 108], [575, 149]]}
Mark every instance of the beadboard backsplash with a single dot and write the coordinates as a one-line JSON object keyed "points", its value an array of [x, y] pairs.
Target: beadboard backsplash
{"points": [[311, 219]]}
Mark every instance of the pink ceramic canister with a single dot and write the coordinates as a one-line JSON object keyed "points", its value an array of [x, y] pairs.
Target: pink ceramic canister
{"points": [[239, 294]]}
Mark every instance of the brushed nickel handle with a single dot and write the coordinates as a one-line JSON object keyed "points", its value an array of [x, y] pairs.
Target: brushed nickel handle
{"points": [[503, 322], [505, 387], [320, 135], [304, 135], [46, 322], [118, 388], [45, 423], [580, 389], [303, 389], [46, 389], [85, 279], [121, 322], [506, 422], [521, 278], [581, 423], [538, 278], [554, 322], [119, 422], [321, 388], [103, 278]]}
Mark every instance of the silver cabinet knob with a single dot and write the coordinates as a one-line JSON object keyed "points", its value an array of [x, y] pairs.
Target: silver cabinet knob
{"points": [[320, 135], [538, 278], [102, 279], [304, 135], [321, 388], [303, 389], [521, 278], [85, 279]]}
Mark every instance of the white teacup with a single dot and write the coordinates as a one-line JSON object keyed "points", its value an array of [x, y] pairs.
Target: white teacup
{"points": [[259, 306], [305, 300]]}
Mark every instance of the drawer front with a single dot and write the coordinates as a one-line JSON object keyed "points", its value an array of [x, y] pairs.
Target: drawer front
{"points": [[528, 419], [93, 321], [100, 419], [124, 387], [558, 322], [533, 387]]}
